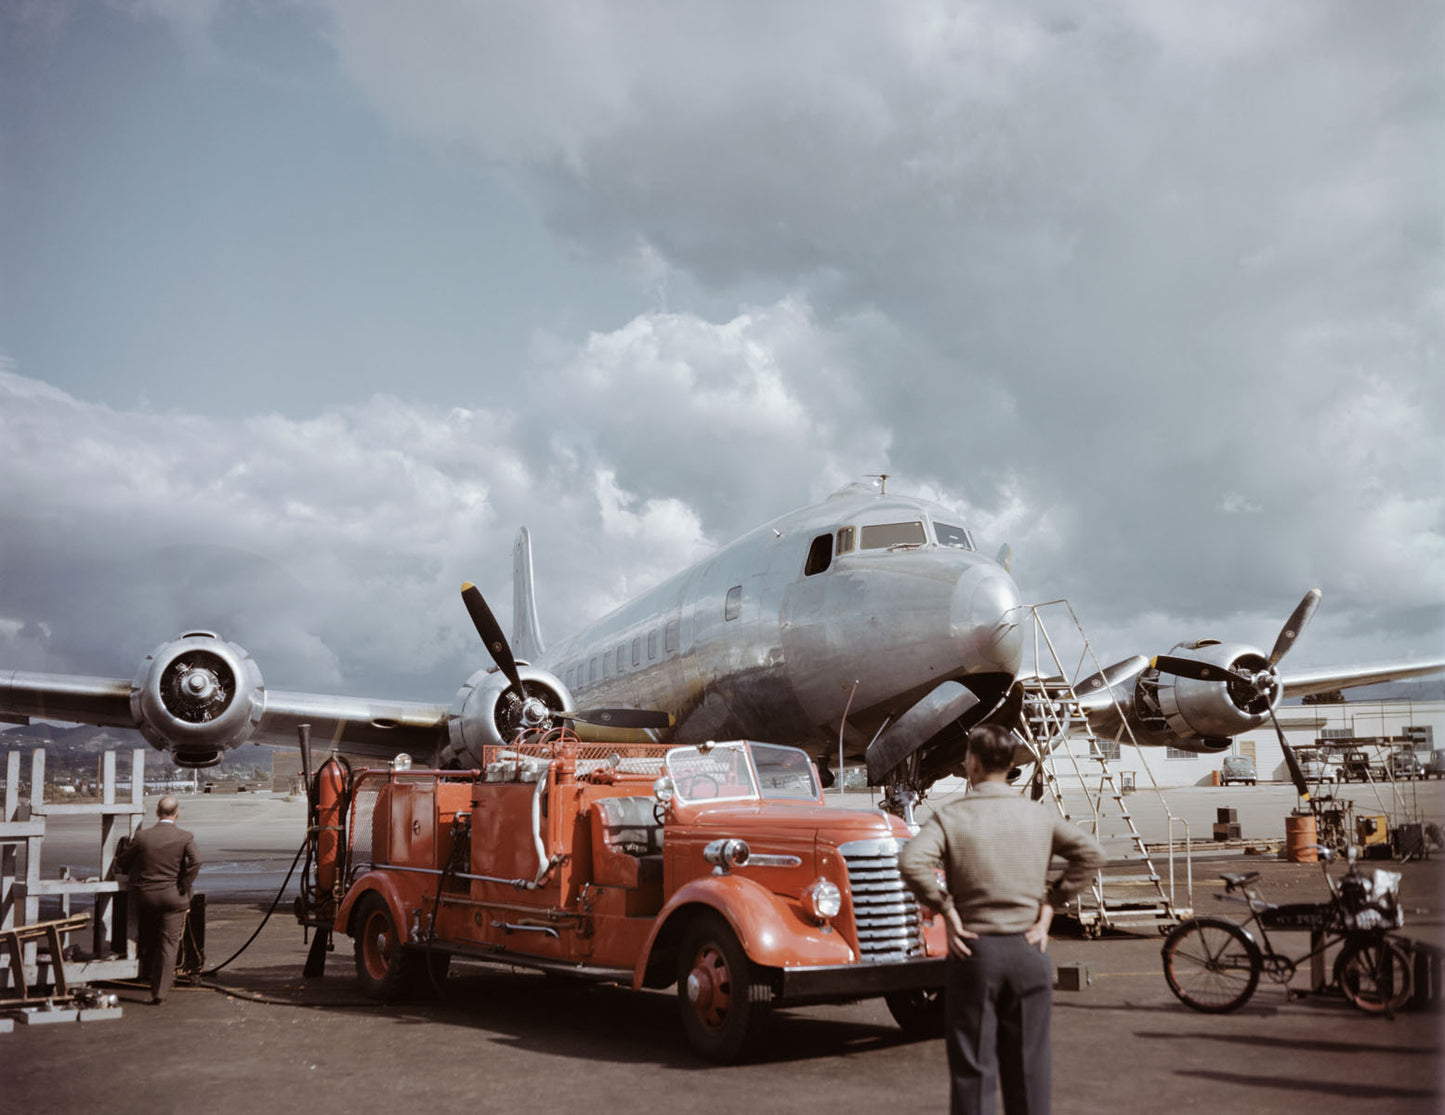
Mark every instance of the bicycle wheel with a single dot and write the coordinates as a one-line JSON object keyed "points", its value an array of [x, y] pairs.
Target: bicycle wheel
{"points": [[1211, 964], [1374, 974]]}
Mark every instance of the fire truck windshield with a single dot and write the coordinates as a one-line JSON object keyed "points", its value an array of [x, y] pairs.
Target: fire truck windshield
{"points": [[718, 772], [722, 772], [785, 772]]}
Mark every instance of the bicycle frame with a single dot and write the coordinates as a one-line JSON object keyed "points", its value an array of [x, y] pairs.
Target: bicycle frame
{"points": [[1322, 920]]}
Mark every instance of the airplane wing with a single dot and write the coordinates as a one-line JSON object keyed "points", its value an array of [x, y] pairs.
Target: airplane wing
{"points": [[362, 726], [358, 725], [1307, 682]]}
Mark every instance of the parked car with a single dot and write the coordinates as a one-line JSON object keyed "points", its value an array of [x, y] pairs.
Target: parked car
{"points": [[1357, 767], [1404, 765], [1435, 765], [1237, 768], [1316, 769]]}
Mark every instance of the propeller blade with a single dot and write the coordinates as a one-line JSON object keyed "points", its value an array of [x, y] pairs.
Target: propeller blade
{"points": [[1296, 772], [491, 632], [1198, 671], [639, 718], [1111, 676], [1294, 625]]}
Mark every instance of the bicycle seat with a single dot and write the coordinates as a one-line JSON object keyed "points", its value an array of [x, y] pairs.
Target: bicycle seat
{"points": [[1233, 880]]}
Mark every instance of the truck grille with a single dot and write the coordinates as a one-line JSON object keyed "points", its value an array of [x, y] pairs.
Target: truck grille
{"points": [[884, 910]]}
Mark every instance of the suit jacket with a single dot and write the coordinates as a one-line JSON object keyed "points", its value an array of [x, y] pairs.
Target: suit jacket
{"points": [[162, 857]]}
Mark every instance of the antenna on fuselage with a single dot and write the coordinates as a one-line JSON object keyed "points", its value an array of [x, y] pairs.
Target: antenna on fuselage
{"points": [[842, 724], [882, 478]]}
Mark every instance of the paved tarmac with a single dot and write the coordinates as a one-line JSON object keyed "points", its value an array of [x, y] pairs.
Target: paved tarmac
{"points": [[509, 1041]]}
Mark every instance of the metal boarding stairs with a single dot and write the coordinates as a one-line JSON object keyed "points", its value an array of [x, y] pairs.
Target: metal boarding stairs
{"points": [[1055, 727]]}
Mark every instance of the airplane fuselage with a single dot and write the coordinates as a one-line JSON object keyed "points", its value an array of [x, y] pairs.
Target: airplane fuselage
{"points": [[865, 602]]}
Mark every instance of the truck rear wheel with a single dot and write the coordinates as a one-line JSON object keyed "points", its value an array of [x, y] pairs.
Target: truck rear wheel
{"points": [[385, 968], [723, 1007]]}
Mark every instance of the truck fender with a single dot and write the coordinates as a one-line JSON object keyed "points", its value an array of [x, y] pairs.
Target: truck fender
{"points": [[771, 930], [374, 882]]}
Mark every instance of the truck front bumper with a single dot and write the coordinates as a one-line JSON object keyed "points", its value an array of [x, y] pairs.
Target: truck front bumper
{"points": [[839, 982]]}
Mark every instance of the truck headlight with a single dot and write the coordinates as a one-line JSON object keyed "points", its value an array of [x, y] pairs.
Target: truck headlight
{"points": [[822, 899], [723, 854]]}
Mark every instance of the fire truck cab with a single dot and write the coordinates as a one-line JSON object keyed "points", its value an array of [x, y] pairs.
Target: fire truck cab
{"points": [[715, 867]]}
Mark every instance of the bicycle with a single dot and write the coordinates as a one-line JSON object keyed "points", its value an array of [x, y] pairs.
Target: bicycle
{"points": [[1214, 965]]}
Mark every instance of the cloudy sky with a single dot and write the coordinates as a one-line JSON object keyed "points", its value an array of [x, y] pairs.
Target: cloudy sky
{"points": [[305, 307]]}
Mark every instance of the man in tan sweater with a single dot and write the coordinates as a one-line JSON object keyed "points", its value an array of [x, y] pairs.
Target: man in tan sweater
{"points": [[994, 847]]}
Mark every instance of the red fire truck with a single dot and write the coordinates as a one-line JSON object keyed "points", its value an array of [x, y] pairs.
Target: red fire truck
{"points": [[715, 867]]}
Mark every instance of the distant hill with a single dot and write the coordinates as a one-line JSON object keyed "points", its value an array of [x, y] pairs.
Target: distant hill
{"points": [[75, 750], [65, 737]]}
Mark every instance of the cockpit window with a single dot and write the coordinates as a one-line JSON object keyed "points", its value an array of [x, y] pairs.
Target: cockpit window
{"points": [[820, 555], [880, 536], [950, 535], [845, 540]]}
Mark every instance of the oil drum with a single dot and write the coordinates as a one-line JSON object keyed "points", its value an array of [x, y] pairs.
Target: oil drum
{"points": [[1300, 839]]}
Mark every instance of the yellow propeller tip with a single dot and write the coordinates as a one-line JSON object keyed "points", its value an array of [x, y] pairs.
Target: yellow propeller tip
{"points": [[467, 585]]}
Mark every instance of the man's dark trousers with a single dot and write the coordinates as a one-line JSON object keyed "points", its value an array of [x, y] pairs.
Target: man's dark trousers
{"points": [[162, 916], [998, 1002]]}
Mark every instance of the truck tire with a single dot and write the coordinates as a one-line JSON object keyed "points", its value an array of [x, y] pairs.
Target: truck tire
{"points": [[386, 969], [723, 1007], [919, 1013]]}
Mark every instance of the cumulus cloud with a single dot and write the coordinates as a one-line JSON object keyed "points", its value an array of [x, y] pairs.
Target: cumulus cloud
{"points": [[1149, 292], [121, 528], [332, 546], [1123, 260], [718, 412]]}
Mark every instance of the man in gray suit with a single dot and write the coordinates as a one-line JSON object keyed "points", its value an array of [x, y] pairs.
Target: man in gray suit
{"points": [[162, 863], [994, 847]]}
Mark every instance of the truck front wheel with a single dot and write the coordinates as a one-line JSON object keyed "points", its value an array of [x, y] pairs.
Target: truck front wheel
{"points": [[919, 1013], [723, 1007], [386, 970]]}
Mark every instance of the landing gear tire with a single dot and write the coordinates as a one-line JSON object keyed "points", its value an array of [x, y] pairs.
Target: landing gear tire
{"points": [[919, 1013], [1211, 964], [385, 968], [1375, 975], [724, 1008]]}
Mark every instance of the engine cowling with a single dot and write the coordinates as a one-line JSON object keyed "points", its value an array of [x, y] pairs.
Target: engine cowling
{"points": [[1201, 715], [488, 710], [197, 697]]}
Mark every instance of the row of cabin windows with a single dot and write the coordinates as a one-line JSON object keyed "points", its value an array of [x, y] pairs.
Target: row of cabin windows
{"points": [[880, 536], [616, 661]]}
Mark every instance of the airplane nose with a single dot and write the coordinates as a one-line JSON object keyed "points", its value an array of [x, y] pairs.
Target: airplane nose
{"points": [[987, 615]]}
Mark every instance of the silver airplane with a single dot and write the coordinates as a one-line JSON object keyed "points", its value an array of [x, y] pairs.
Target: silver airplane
{"points": [[869, 622]]}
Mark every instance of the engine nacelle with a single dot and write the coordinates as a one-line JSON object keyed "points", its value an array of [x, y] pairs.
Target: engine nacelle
{"points": [[1201, 716], [488, 711], [197, 697]]}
